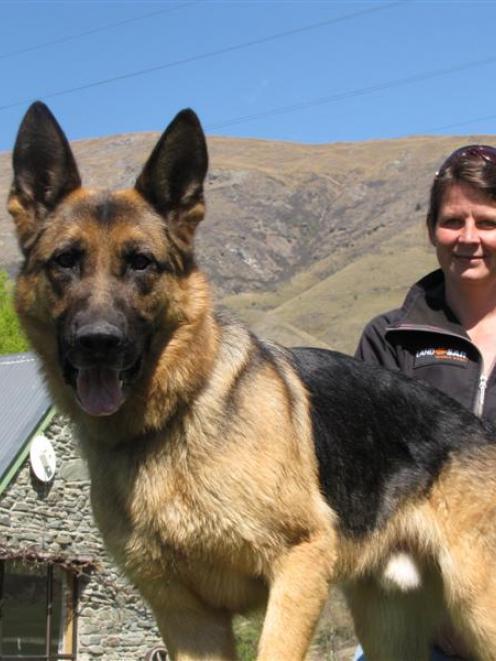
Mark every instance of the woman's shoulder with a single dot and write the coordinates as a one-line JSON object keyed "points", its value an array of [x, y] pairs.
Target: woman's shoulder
{"points": [[373, 347], [381, 322]]}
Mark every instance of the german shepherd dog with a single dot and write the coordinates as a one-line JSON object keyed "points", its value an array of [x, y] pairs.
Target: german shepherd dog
{"points": [[228, 472]]}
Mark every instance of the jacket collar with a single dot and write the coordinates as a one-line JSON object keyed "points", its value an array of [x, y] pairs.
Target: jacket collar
{"points": [[425, 308]]}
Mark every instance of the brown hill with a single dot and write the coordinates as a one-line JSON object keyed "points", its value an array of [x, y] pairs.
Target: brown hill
{"points": [[306, 242]]}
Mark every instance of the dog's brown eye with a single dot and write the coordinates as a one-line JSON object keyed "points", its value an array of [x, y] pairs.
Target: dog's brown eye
{"points": [[67, 259], [139, 261]]}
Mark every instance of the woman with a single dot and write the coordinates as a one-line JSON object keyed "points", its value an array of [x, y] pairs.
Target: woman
{"points": [[445, 331]]}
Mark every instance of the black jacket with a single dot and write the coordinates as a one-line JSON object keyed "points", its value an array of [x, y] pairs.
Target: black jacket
{"points": [[424, 340]]}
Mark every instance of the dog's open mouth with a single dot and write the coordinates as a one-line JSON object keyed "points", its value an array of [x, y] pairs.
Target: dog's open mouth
{"points": [[101, 389]]}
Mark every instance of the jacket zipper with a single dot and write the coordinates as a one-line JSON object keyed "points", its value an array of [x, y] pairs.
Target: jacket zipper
{"points": [[481, 395], [483, 381]]}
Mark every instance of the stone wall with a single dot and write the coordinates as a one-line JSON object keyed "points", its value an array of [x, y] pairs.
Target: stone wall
{"points": [[113, 622]]}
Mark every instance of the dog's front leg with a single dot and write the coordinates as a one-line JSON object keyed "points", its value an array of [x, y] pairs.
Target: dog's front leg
{"points": [[298, 592], [190, 629]]}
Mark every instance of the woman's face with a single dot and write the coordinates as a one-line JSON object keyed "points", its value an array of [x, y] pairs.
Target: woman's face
{"points": [[465, 235]]}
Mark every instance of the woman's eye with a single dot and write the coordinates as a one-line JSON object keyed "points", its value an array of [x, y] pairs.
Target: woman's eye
{"points": [[487, 224], [450, 222], [139, 261]]}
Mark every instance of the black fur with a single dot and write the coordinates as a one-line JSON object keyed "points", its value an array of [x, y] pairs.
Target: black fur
{"points": [[380, 437], [44, 166], [173, 175]]}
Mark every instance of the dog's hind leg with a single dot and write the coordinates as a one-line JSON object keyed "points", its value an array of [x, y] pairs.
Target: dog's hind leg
{"points": [[191, 630], [476, 622], [471, 598], [393, 624]]}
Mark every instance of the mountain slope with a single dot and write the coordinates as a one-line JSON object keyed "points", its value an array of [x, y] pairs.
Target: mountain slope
{"points": [[306, 242]]}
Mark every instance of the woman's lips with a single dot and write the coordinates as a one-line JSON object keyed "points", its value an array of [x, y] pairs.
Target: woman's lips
{"points": [[469, 257]]}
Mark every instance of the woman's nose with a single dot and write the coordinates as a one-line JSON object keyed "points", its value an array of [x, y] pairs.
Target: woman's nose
{"points": [[469, 233]]}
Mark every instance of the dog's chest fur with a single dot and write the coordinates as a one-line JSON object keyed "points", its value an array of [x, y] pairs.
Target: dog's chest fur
{"points": [[210, 502], [167, 524]]}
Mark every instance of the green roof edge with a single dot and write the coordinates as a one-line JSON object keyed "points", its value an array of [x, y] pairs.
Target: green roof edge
{"points": [[11, 471]]}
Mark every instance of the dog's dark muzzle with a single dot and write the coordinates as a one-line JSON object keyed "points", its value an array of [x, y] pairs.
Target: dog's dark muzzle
{"points": [[100, 361], [97, 343]]}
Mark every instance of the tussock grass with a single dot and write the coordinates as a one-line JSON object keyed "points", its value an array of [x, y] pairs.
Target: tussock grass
{"points": [[12, 339]]}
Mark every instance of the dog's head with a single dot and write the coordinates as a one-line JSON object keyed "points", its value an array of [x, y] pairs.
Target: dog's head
{"points": [[105, 274]]}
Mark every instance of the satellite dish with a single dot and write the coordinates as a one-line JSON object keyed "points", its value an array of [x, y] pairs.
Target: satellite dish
{"points": [[42, 458]]}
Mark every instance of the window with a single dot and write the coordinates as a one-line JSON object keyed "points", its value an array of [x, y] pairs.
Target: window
{"points": [[38, 613]]}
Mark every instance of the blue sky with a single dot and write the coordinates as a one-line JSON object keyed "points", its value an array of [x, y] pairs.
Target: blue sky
{"points": [[300, 71]]}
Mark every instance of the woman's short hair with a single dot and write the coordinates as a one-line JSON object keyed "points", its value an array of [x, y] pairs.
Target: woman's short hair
{"points": [[474, 165]]}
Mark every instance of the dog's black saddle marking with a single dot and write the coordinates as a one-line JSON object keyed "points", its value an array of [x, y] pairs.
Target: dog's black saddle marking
{"points": [[380, 437]]}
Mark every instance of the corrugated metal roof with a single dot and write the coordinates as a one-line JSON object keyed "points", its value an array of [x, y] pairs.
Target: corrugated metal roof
{"points": [[24, 402]]}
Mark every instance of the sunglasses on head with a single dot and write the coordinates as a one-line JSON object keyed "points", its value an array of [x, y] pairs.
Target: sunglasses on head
{"points": [[485, 152]]}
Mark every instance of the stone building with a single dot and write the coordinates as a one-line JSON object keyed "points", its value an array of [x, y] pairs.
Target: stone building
{"points": [[61, 596]]}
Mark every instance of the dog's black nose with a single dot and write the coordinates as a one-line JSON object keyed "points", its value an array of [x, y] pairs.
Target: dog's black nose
{"points": [[99, 337]]}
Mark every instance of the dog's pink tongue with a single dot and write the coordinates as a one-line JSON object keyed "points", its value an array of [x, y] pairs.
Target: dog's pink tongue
{"points": [[99, 390]]}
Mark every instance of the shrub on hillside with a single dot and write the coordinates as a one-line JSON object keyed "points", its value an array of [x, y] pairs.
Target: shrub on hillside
{"points": [[12, 339]]}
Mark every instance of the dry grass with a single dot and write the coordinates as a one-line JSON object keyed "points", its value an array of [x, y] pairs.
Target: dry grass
{"points": [[333, 312], [334, 639]]}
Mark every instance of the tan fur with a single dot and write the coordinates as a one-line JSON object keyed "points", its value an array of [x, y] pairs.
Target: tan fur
{"points": [[214, 516], [220, 510]]}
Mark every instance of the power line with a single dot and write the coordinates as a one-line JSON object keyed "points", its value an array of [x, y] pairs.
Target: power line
{"points": [[353, 93], [201, 56], [101, 28], [463, 123]]}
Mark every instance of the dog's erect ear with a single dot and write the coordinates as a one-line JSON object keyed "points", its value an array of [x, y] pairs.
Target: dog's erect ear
{"points": [[44, 171], [172, 179]]}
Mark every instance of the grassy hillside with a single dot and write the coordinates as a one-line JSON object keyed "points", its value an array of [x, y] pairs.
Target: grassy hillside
{"points": [[332, 312], [12, 339]]}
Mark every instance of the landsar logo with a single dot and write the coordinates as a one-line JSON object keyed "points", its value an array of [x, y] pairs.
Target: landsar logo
{"points": [[441, 353]]}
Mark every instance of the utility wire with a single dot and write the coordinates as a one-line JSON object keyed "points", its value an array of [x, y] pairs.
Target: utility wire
{"points": [[102, 28], [202, 56], [362, 91], [463, 123]]}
